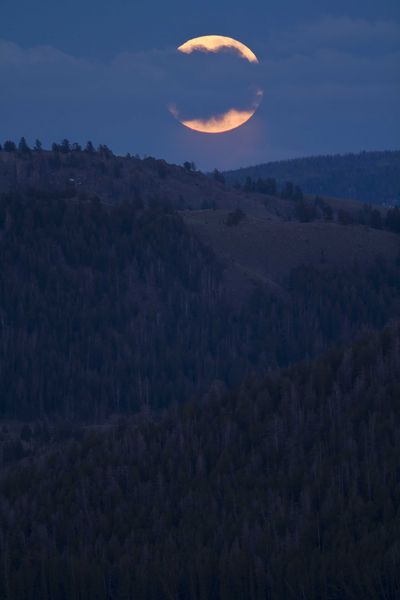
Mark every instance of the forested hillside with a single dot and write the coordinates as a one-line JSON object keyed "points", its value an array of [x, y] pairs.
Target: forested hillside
{"points": [[110, 309], [172, 426], [81, 173], [371, 177], [286, 488]]}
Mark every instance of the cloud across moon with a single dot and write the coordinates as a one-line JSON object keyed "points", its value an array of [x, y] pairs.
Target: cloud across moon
{"points": [[233, 117], [216, 43]]}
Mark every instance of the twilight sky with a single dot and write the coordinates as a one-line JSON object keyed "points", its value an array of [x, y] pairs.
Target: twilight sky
{"points": [[107, 70]]}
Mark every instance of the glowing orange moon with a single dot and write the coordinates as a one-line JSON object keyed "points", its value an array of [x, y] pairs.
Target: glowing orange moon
{"points": [[215, 43], [232, 118]]}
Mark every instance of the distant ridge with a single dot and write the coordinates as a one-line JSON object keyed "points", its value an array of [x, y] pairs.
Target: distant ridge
{"points": [[372, 177]]}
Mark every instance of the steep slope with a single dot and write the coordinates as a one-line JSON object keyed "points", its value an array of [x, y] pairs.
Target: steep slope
{"points": [[268, 249], [108, 309], [372, 177], [287, 488], [99, 306]]}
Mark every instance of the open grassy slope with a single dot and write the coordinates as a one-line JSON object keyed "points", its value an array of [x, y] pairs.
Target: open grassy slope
{"points": [[267, 249]]}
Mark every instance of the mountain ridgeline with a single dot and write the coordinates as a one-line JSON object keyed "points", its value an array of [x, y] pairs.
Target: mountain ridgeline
{"points": [[370, 177]]}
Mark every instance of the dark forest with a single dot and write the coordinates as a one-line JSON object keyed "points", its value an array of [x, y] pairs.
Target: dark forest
{"points": [[189, 410]]}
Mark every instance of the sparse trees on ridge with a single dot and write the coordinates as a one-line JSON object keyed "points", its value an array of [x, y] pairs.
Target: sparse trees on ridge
{"points": [[189, 166], [218, 176], [65, 146], [23, 147], [89, 148], [9, 146]]}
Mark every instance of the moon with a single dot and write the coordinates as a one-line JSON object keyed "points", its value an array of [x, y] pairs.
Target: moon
{"points": [[215, 43], [233, 117]]}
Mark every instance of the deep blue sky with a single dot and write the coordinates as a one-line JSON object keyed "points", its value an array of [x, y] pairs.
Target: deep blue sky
{"points": [[102, 70]]}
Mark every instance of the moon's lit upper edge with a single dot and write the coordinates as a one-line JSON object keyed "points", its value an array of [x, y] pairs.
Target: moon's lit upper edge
{"points": [[214, 43]]}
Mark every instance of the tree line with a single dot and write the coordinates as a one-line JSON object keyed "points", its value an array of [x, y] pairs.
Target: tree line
{"points": [[370, 177], [64, 147]]}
